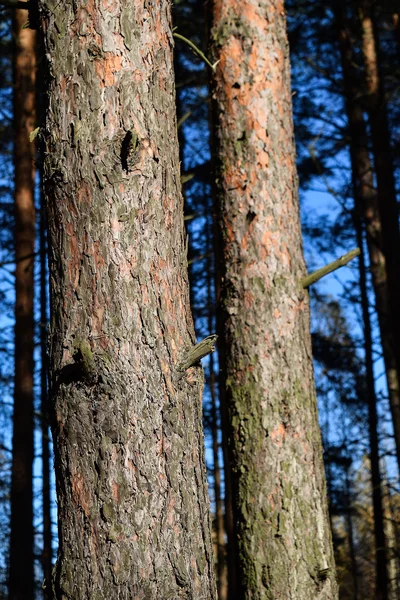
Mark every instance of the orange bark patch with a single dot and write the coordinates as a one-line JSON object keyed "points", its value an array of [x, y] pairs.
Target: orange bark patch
{"points": [[167, 212], [278, 435], [233, 56], [248, 299], [83, 193], [252, 16], [115, 491], [105, 69], [97, 321], [80, 493], [74, 259], [98, 258]]}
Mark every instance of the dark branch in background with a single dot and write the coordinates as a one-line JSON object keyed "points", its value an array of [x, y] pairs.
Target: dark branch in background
{"points": [[13, 261]]}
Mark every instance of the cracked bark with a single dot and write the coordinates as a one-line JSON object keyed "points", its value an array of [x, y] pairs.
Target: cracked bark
{"points": [[131, 481]]}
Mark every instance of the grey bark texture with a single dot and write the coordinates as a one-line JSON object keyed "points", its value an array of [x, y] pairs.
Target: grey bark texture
{"points": [[284, 547], [131, 480]]}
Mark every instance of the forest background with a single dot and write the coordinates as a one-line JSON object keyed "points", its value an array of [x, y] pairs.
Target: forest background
{"points": [[354, 349]]}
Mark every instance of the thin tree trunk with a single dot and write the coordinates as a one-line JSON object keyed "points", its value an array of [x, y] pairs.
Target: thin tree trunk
{"points": [[129, 456], [284, 547], [47, 554], [222, 579], [349, 523], [369, 212], [378, 120], [21, 578], [396, 30], [228, 500], [353, 557], [381, 576], [390, 531], [220, 327]]}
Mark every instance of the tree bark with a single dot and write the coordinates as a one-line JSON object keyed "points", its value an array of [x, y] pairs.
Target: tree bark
{"points": [[21, 577], [131, 481], [383, 161], [284, 547], [367, 203]]}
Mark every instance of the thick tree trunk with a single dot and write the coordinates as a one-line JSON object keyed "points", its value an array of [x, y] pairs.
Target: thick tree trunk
{"points": [[131, 482], [21, 579], [388, 209], [284, 547], [367, 203]]}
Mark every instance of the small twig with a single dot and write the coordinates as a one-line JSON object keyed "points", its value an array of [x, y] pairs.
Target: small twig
{"points": [[198, 258], [336, 264], [196, 50], [200, 350], [185, 177], [183, 119], [191, 216]]}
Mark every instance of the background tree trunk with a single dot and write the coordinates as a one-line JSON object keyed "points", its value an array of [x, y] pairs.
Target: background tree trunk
{"points": [[131, 481], [381, 575], [21, 580], [284, 544], [368, 211], [383, 161]]}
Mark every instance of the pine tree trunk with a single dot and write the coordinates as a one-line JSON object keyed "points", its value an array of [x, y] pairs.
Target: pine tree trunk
{"points": [[350, 532], [229, 525], [218, 262], [284, 547], [222, 580], [381, 576], [21, 579], [396, 31], [222, 575], [131, 482], [367, 203], [381, 147]]}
